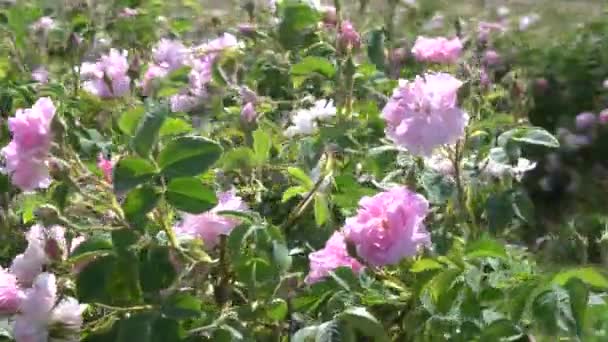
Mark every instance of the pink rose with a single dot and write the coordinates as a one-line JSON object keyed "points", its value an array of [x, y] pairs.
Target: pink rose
{"points": [[209, 226], [106, 166], [26, 155], [423, 114], [10, 293], [333, 256], [107, 78], [437, 50], [389, 226]]}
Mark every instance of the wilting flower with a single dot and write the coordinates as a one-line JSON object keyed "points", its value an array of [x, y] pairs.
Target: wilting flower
{"points": [[304, 122], [389, 226], [437, 50], [107, 78], [248, 113], [209, 226], [349, 37], [106, 166], [10, 293], [423, 114], [333, 256], [26, 155], [247, 95], [40, 75]]}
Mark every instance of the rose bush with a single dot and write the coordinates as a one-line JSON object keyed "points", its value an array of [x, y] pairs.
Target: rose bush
{"points": [[295, 171]]}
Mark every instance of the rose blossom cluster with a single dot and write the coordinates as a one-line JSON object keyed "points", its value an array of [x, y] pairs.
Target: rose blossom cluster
{"points": [[204, 56], [107, 78], [31, 295], [210, 226], [26, 156], [387, 228], [423, 114], [437, 50]]}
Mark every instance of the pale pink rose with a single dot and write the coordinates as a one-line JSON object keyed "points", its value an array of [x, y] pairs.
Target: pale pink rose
{"points": [[40, 75], [107, 78], [67, 316], [44, 245], [330, 17], [437, 50], [248, 113], [389, 226], [349, 38], [484, 29], [170, 54], [10, 293], [128, 12], [423, 114], [491, 58], [106, 166], [328, 259], [209, 226], [44, 24], [585, 121], [40, 315]]}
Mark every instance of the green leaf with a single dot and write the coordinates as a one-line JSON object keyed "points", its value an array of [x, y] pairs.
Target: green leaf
{"points": [[297, 20], [93, 244], [424, 265], [109, 280], [293, 192], [129, 172], [588, 275], [136, 327], [321, 209], [190, 195], [277, 309], [188, 156], [579, 297], [237, 159], [501, 330], [301, 177], [281, 256], [499, 210], [149, 127], [365, 323], [124, 238], [175, 126], [181, 306], [375, 49], [140, 202], [486, 248], [529, 135], [262, 144], [130, 119], [313, 64], [156, 272]]}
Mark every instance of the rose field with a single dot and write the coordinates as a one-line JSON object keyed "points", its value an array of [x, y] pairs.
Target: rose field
{"points": [[299, 171]]}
